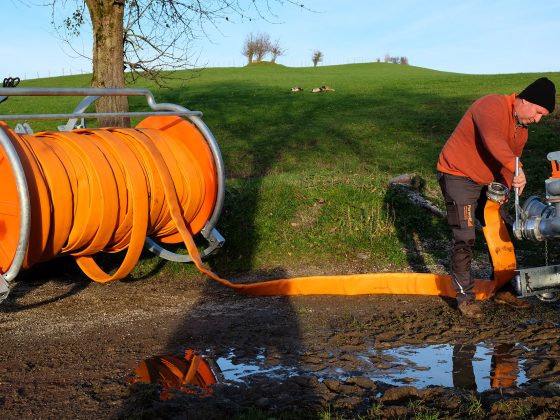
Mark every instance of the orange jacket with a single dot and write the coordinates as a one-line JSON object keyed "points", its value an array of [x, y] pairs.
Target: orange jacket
{"points": [[485, 143]]}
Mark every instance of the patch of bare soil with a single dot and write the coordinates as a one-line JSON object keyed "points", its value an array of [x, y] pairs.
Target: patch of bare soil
{"points": [[70, 346]]}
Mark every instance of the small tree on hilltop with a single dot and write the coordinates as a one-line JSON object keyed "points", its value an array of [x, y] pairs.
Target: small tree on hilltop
{"points": [[395, 60], [262, 46], [317, 57], [249, 48], [276, 51]]}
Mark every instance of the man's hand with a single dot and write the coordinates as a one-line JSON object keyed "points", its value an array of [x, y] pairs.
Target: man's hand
{"points": [[519, 181]]}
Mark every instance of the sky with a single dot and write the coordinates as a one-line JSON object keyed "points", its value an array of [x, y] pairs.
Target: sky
{"points": [[467, 36]]}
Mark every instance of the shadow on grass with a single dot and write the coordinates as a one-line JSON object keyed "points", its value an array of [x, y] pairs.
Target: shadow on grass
{"points": [[263, 131], [424, 236]]}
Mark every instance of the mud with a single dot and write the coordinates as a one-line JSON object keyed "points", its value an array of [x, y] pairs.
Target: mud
{"points": [[70, 347]]}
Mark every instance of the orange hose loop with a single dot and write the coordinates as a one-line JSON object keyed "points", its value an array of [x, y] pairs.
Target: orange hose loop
{"points": [[497, 236]]}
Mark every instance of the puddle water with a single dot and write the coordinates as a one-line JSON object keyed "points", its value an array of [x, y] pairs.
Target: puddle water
{"points": [[475, 367], [237, 372]]}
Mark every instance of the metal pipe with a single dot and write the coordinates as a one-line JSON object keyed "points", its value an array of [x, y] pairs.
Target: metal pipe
{"points": [[24, 204], [517, 223], [92, 115], [549, 228], [533, 207], [77, 92], [552, 187], [81, 108]]}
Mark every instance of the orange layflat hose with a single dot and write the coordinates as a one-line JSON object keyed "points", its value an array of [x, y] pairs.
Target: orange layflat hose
{"points": [[107, 189]]}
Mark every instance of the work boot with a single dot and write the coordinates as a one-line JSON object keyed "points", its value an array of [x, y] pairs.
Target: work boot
{"points": [[505, 297], [470, 309]]}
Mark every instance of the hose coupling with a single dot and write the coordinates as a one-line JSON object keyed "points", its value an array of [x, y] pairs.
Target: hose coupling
{"points": [[497, 192]]}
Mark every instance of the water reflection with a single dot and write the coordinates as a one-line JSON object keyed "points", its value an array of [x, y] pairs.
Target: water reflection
{"points": [[463, 373], [239, 372], [190, 373], [474, 367], [505, 367], [467, 366]]}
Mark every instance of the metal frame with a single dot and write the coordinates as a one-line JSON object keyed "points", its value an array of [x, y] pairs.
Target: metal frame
{"points": [[25, 212], [542, 282], [209, 232]]}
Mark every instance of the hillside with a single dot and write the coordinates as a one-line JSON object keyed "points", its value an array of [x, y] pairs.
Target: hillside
{"points": [[306, 195], [307, 172]]}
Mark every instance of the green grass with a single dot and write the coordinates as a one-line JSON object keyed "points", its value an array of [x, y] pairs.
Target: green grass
{"points": [[307, 173]]}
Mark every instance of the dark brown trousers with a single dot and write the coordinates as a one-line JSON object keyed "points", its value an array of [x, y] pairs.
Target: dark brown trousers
{"points": [[464, 202]]}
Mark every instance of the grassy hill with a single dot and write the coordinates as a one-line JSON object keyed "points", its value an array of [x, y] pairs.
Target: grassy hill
{"points": [[307, 172]]}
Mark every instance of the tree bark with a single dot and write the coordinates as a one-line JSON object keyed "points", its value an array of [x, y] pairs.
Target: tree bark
{"points": [[107, 18]]}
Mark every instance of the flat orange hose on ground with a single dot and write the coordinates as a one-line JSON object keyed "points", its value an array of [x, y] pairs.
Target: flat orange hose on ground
{"points": [[107, 189], [499, 245]]}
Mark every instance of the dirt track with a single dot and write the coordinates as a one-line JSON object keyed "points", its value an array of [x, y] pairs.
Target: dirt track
{"points": [[69, 348]]}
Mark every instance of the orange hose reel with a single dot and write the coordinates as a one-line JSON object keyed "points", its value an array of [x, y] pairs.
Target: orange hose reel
{"points": [[106, 189], [95, 190]]}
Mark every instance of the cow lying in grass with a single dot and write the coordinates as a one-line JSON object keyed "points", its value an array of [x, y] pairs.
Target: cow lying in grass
{"points": [[322, 89]]}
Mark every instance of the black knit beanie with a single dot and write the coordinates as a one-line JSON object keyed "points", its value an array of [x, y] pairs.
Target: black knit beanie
{"points": [[541, 92]]}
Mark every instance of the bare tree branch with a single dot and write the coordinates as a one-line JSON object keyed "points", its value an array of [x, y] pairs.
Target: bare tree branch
{"points": [[146, 38]]}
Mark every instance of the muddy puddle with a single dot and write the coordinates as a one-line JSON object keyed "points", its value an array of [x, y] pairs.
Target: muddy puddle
{"points": [[479, 367]]}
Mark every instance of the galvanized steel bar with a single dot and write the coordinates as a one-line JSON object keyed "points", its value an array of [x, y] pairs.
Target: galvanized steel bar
{"points": [[95, 115], [24, 204]]}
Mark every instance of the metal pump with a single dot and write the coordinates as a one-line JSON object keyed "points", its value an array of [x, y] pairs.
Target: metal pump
{"points": [[539, 221]]}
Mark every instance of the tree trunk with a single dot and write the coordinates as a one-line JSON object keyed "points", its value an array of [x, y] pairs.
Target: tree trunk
{"points": [[108, 57]]}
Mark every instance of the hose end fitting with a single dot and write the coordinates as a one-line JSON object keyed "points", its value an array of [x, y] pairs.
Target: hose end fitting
{"points": [[497, 192]]}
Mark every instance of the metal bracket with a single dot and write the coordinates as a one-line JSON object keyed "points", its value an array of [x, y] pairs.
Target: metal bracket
{"points": [[214, 238], [4, 288], [537, 281], [24, 128], [81, 108]]}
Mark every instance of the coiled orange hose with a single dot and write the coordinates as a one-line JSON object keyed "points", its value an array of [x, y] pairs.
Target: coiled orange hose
{"points": [[107, 189], [100, 190]]}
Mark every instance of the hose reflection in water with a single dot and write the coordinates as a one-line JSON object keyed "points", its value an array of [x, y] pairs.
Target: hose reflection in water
{"points": [[191, 374], [504, 368]]}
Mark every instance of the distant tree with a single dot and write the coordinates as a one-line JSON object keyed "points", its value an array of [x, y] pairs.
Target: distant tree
{"points": [[317, 57], [276, 51], [262, 46], [395, 60], [249, 48], [256, 47]]}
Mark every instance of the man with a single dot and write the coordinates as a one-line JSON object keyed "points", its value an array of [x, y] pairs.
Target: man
{"points": [[481, 150]]}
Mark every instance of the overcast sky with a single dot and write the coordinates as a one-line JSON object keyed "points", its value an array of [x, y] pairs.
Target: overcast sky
{"points": [[468, 36]]}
